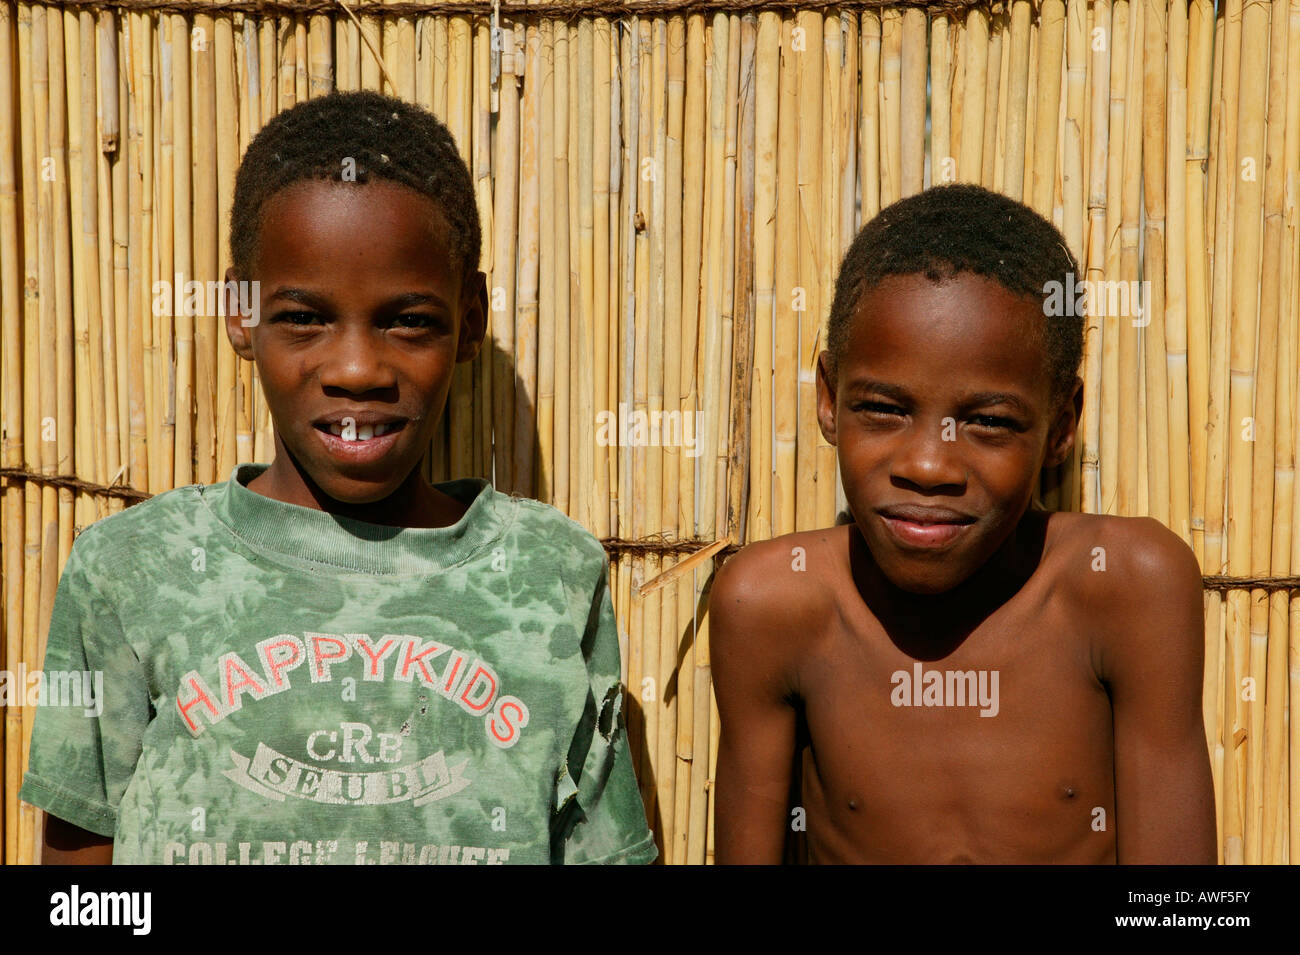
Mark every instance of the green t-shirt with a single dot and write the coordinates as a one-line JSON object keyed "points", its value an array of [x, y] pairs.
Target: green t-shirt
{"points": [[285, 685]]}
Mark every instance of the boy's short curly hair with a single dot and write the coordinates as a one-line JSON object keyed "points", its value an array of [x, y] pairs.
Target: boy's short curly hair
{"points": [[386, 138], [964, 228]]}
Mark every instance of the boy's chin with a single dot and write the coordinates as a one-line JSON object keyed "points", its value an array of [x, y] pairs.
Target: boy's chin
{"points": [[354, 484], [923, 585]]}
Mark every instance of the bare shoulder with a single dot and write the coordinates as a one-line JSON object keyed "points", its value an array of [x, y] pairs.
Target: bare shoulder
{"points": [[785, 574], [1136, 583], [773, 594], [1123, 558]]}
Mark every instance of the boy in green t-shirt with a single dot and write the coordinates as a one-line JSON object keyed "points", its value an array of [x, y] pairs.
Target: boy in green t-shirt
{"points": [[327, 659]]}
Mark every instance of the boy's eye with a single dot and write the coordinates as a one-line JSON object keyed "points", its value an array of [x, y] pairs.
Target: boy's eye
{"points": [[877, 407], [417, 320], [993, 421], [297, 318]]}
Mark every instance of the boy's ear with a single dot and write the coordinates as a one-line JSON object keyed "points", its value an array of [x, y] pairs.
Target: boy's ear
{"points": [[473, 316], [238, 324], [1061, 437], [826, 396]]}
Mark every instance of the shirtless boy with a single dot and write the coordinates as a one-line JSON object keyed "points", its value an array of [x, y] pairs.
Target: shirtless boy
{"points": [[972, 679]]}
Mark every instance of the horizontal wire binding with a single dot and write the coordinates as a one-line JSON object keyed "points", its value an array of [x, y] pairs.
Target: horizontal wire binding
{"points": [[656, 544]]}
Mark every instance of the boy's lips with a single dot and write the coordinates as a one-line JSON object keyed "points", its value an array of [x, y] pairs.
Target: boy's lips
{"points": [[368, 445], [916, 526]]}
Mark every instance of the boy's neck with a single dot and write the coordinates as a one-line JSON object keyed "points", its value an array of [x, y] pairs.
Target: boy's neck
{"points": [[415, 503], [932, 625]]}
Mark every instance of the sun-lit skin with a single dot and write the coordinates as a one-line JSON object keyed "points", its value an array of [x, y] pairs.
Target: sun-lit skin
{"points": [[356, 254], [886, 411], [809, 630], [363, 309]]}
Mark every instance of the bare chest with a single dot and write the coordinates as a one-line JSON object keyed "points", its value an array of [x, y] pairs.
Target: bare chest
{"points": [[999, 751]]}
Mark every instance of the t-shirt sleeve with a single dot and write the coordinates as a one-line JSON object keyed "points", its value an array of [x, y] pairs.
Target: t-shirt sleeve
{"points": [[599, 814], [85, 745]]}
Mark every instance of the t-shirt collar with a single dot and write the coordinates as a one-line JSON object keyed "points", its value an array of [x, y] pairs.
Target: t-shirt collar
{"points": [[326, 543]]}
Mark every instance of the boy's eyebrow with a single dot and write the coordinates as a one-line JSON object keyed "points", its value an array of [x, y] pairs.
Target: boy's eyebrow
{"points": [[998, 398], [978, 399], [315, 300]]}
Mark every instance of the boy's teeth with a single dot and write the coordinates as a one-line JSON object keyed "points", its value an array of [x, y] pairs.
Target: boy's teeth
{"points": [[363, 432]]}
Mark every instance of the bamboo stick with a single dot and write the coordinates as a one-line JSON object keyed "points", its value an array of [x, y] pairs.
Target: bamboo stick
{"points": [[692, 735], [46, 515], [1265, 642], [972, 109], [1159, 446], [1278, 325], [808, 298], [480, 167], [1095, 259], [529, 231], [456, 114], [79, 42], [226, 99], [660, 610], [940, 157], [675, 742], [1247, 207], [891, 69], [206, 260], [1006, 52], [502, 270], [720, 430], [630, 516], [645, 656], [1130, 474], [603, 304], [1197, 77], [1288, 443], [107, 133], [1017, 100], [834, 137], [617, 220], [958, 54], [563, 291], [1031, 113], [912, 61], [994, 58], [546, 308], [786, 330]]}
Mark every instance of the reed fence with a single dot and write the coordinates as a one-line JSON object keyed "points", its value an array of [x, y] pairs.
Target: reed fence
{"points": [[666, 189]]}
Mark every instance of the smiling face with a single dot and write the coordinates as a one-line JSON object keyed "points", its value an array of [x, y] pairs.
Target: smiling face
{"points": [[940, 410], [364, 317]]}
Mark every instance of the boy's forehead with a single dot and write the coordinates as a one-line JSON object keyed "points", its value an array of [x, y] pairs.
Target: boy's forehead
{"points": [[964, 305], [965, 325], [356, 206], [384, 222]]}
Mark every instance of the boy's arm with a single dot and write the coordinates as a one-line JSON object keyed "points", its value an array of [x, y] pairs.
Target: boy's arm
{"points": [[1152, 662], [83, 756], [599, 815], [747, 640], [66, 844]]}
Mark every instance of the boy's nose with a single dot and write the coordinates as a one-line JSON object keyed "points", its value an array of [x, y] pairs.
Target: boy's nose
{"points": [[356, 363], [925, 459]]}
